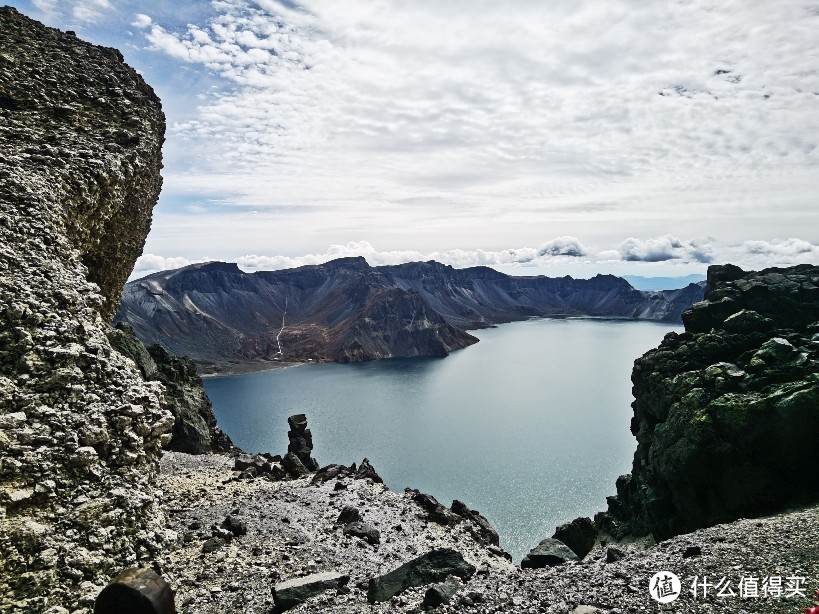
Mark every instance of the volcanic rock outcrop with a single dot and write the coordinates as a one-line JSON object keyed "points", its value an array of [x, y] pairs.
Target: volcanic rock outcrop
{"points": [[80, 430], [727, 413], [347, 311], [194, 429]]}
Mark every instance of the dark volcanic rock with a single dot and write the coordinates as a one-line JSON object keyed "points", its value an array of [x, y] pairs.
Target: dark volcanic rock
{"points": [[435, 511], [364, 531], [347, 311], [237, 526], [301, 441], [579, 535], [293, 466], [548, 553], [348, 514], [434, 566], [726, 415], [80, 430], [293, 592], [483, 531], [331, 472], [194, 429], [366, 471], [440, 594]]}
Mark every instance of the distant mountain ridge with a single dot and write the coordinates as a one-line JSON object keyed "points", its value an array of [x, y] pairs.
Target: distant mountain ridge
{"points": [[347, 311]]}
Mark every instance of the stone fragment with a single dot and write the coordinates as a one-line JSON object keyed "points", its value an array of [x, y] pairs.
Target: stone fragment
{"points": [[137, 591], [363, 530], [296, 591], [614, 554], [213, 544], [548, 553], [433, 566], [579, 535], [483, 531], [367, 471], [331, 472], [237, 526], [293, 466], [441, 594], [348, 514], [435, 511]]}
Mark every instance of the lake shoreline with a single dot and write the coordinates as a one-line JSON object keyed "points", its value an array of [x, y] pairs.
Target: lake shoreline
{"points": [[211, 369]]}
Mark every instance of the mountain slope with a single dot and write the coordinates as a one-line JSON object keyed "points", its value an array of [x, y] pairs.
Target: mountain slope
{"points": [[347, 311]]}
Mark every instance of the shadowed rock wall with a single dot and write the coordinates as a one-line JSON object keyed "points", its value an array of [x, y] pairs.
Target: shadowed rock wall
{"points": [[727, 414], [80, 430]]}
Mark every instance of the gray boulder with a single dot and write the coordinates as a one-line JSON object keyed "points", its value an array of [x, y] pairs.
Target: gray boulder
{"points": [[364, 531], [579, 535], [294, 592], [548, 553], [441, 594], [434, 566]]}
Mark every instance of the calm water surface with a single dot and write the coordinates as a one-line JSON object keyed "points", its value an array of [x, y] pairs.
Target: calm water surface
{"points": [[530, 426]]}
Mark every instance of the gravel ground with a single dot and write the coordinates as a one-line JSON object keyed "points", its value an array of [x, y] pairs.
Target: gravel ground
{"points": [[291, 532]]}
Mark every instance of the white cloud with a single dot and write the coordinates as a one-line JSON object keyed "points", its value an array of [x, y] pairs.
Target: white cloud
{"points": [[789, 248], [664, 248], [84, 12], [563, 246], [47, 6], [561, 254], [89, 10], [142, 21]]}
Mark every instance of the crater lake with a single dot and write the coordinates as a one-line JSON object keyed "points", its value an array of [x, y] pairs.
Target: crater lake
{"points": [[530, 426]]}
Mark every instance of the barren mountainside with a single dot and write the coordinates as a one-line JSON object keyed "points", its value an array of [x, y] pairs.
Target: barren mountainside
{"points": [[346, 310]]}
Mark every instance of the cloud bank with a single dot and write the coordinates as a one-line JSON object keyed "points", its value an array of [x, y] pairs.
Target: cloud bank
{"points": [[555, 253]]}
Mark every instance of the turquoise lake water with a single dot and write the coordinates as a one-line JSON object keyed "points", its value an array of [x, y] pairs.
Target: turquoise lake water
{"points": [[530, 426]]}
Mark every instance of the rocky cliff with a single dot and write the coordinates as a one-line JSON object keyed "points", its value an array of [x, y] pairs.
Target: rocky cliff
{"points": [[194, 429], [726, 414], [80, 430], [345, 310]]}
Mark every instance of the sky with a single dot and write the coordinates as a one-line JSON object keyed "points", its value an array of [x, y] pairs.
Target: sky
{"points": [[562, 137]]}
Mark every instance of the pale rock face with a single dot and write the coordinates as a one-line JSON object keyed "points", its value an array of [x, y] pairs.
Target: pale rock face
{"points": [[80, 430]]}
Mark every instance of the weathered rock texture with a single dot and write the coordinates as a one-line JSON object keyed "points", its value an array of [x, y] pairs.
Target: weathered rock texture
{"points": [[80, 430], [301, 441], [727, 414], [194, 428], [347, 311]]}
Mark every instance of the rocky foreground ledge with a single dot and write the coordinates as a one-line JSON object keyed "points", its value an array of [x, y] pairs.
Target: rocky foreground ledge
{"points": [[239, 539]]}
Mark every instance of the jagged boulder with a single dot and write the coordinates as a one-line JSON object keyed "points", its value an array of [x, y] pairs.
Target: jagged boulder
{"points": [[726, 415], [482, 530], [80, 430], [579, 535], [549, 552], [434, 566]]}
